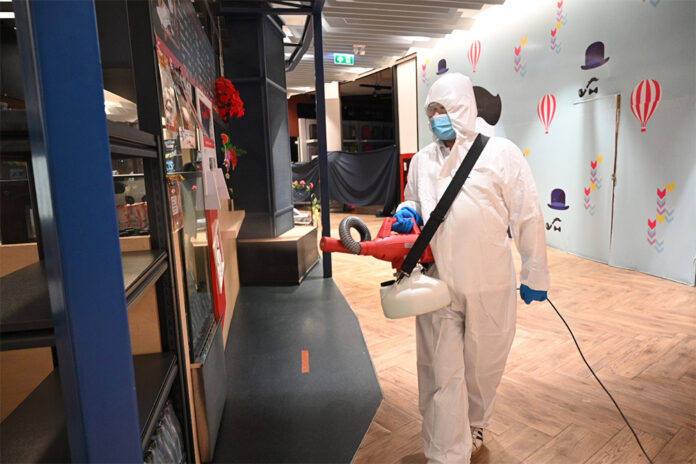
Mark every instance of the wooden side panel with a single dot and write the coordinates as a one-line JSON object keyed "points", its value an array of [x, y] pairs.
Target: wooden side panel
{"points": [[180, 285], [21, 371], [16, 256], [143, 319]]}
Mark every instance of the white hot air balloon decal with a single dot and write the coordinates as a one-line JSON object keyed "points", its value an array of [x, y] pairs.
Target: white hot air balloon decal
{"points": [[546, 109], [474, 53], [644, 100]]}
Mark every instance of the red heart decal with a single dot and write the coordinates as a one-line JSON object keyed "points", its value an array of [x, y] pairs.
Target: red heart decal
{"points": [[518, 50], [560, 4], [423, 67], [553, 32], [661, 193], [593, 164], [652, 224], [587, 191]]}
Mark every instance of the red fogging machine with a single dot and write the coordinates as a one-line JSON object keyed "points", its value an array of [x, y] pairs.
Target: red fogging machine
{"points": [[387, 246]]}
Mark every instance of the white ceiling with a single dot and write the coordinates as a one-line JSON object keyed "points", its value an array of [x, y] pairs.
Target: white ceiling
{"points": [[387, 28]]}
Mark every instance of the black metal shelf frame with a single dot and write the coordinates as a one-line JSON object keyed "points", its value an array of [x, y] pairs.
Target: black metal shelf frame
{"points": [[25, 315], [36, 431], [82, 404]]}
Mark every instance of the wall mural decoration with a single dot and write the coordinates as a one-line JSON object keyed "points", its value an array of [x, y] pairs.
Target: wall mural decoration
{"points": [[546, 110], [442, 67], [489, 106], [556, 228], [594, 56], [588, 90], [474, 53], [558, 200], [595, 184], [663, 216], [561, 20], [645, 98], [520, 65], [424, 73], [618, 104]]}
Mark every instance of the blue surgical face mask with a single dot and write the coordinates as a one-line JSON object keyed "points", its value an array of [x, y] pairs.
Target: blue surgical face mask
{"points": [[442, 127]]}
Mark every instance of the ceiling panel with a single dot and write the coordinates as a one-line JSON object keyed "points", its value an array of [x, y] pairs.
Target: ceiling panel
{"points": [[387, 29]]}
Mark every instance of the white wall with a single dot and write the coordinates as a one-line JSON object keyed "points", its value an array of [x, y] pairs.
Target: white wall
{"points": [[407, 106], [333, 117], [530, 48]]}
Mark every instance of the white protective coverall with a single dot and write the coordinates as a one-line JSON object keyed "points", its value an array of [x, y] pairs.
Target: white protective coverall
{"points": [[462, 349]]}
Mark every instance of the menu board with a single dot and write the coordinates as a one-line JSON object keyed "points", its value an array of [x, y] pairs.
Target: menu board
{"points": [[181, 38]]}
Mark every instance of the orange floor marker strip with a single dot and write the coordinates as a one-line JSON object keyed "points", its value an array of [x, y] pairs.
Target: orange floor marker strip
{"points": [[305, 361]]}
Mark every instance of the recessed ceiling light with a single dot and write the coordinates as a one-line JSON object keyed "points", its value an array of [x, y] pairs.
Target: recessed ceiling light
{"points": [[357, 70], [416, 38]]}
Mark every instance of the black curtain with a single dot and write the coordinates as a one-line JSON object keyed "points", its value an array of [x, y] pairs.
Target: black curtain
{"points": [[361, 179]]}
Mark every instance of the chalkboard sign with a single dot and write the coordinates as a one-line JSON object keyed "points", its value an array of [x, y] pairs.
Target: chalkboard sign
{"points": [[181, 37]]}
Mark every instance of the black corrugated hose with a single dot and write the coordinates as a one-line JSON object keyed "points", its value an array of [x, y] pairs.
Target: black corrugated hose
{"points": [[353, 222]]}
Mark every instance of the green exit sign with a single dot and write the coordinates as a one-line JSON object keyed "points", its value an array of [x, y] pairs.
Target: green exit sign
{"points": [[344, 58]]}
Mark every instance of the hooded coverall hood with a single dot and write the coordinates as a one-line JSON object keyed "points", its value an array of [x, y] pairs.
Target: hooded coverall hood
{"points": [[455, 92]]}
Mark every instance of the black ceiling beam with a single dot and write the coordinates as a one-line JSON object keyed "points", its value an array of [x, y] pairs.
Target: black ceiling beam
{"points": [[296, 56], [305, 10]]}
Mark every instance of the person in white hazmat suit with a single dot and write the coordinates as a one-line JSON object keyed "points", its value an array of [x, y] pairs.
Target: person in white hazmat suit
{"points": [[462, 349]]}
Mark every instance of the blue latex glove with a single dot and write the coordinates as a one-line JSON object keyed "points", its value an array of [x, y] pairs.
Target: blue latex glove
{"points": [[404, 223], [528, 295]]}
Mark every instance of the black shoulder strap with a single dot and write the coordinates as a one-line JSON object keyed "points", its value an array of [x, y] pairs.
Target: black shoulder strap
{"points": [[438, 215]]}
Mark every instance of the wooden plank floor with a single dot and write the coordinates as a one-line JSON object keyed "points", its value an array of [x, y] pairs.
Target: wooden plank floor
{"points": [[637, 331]]}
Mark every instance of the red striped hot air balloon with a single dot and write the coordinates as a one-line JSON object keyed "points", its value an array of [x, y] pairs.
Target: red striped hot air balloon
{"points": [[644, 100], [546, 109], [474, 53]]}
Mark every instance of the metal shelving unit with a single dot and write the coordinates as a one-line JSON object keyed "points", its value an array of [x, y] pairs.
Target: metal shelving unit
{"points": [[99, 403], [36, 431], [25, 315], [355, 141]]}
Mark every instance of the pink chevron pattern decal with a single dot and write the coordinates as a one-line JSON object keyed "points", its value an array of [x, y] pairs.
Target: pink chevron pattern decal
{"points": [[520, 65], [561, 20], [663, 216], [595, 184]]}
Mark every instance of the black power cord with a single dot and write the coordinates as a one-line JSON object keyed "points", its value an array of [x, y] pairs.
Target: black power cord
{"points": [[601, 384]]}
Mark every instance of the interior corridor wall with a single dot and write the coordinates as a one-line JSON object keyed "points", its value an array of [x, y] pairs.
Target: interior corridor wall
{"points": [[579, 57], [334, 140], [407, 104]]}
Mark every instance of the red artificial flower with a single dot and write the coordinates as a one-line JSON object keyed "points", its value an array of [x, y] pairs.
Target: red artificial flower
{"points": [[233, 158], [302, 182], [229, 103], [225, 138], [311, 185]]}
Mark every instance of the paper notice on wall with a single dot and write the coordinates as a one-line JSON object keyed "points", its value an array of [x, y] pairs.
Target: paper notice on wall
{"points": [[205, 115], [221, 186], [187, 138], [218, 256], [212, 200], [171, 115]]}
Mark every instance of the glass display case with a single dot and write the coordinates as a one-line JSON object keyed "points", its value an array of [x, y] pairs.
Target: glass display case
{"points": [[17, 218], [194, 243], [131, 200]]}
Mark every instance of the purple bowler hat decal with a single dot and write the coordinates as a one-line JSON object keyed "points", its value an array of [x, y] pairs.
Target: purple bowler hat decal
{"points": [[558, 200], [594, 56], [442, 67]]}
